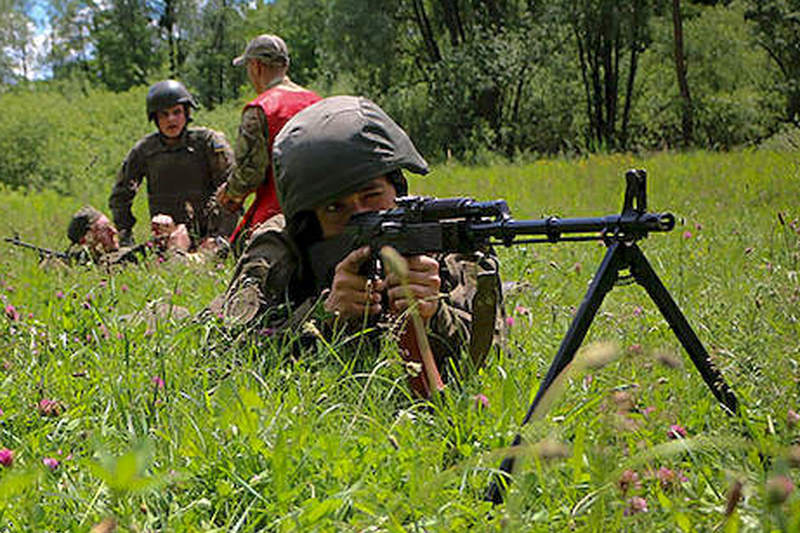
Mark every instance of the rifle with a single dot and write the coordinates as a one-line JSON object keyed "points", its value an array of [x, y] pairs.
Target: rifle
{"points": [[43, 252], [462, 225]]}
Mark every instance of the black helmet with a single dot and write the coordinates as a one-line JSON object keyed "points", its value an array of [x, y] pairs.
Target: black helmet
{"points": [[166, 94], [334, 147]]}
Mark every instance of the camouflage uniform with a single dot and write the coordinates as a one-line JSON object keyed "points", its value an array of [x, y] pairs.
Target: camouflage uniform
{"points": [[252, 146], [187, 172], [270, 288]]}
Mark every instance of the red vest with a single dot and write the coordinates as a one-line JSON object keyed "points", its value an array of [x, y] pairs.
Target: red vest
{"points": [[279, 105]]}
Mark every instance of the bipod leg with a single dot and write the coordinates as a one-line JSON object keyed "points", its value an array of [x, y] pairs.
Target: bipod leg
{"points": [[603, 282], [646, 277]]}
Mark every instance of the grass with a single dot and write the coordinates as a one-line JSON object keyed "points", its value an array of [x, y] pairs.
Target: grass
{"points": [[182, 427]]}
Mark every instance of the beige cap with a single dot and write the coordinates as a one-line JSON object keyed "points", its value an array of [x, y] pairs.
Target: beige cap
{"points": [[267, 47]]}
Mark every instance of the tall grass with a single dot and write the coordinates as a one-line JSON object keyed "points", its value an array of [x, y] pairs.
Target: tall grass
{"points": [[177, 425]]}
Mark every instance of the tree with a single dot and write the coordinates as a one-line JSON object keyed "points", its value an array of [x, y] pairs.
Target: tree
{"points": [[603, 31], [17, 57], [217, 41], [777, 27], [680, 72], [127, 48], [70, 38]]}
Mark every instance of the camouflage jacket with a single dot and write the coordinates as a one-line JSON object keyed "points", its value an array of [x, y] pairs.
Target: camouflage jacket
{"points": [[270, 289], [181, 181]]}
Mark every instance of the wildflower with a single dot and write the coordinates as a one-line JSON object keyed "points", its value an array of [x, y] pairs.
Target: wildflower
{"points": [[123, 288], [49, 407], [158, 382], [637, 504], [637, 311], [11, 313], [51, 462], [509, 321], [481, 401], [60, 295], [687, 234], [676, 431], [792, 418], [698, 226], [669, 478], [778, 489], [522, 310], [628, 480], [635, 349], [650, 409], [6, 457]]}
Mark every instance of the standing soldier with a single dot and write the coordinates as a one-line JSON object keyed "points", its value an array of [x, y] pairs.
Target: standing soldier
{"points": [[267, 61], [183, 167]]}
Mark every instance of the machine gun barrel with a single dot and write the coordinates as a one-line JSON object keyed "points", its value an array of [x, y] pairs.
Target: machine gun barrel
{"points": [[43, 252], [630, 227]]}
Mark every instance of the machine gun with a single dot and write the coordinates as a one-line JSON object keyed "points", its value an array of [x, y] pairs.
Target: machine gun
{"points": [[462, 225], [43, 252]]}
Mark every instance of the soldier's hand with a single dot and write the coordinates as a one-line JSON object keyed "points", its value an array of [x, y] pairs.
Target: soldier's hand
{"points": [[231, 203], [423, 284], [126, 237], [351, 296]]}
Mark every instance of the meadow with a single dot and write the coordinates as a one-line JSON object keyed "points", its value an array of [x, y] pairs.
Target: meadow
{"points": [[177, 426]]}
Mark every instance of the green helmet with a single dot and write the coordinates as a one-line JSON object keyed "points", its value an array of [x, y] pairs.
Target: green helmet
{"points": [[333, 148], [166, 94]]}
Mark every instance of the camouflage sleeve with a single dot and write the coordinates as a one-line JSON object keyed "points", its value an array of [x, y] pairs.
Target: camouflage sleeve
{"points": [[221, 158], [252, 153], [129, 178], [470, 316], [258, 292]]}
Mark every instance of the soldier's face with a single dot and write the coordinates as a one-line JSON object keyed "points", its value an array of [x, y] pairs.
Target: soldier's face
{"points": [[171, 121], [103, 236], [376, 195]]}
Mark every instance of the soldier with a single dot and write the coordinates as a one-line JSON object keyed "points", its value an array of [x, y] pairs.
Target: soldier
{"points": [[183, 166], [267, 61], [339, 157], [95, 239], [93, 231]]}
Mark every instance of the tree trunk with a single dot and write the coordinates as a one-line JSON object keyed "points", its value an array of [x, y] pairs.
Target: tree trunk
{"points": [[424, 25], [680, 71]]}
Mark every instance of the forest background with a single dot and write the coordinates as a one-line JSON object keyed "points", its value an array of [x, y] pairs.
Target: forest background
{"points": [[469, 79]]}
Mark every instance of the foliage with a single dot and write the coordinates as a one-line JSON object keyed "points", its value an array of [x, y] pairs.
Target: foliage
{"points": [[175, 425], [470, 79], [777, 27], [16, 58]]}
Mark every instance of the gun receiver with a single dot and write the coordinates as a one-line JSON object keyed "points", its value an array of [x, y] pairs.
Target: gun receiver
{"points": [[421, 225]]}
